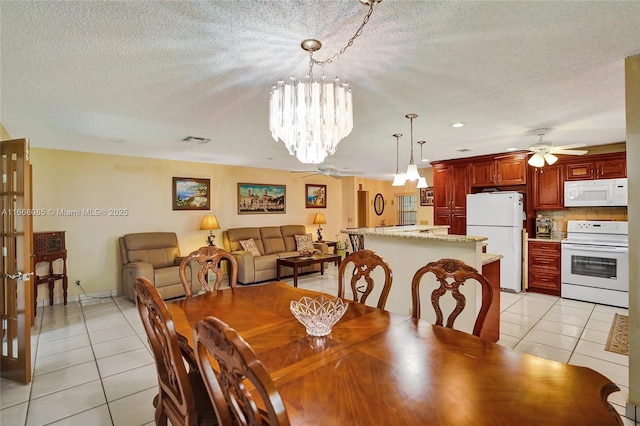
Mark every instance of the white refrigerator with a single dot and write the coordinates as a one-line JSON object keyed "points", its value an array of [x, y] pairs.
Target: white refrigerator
{"points": [[498, 216]]}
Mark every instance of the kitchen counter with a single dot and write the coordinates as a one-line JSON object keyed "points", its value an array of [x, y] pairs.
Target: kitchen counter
{"points": [[490, 258], [548, 240], [421, 232]]}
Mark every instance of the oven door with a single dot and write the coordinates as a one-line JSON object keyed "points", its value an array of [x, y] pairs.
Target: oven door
{"points": [[595, 266]]}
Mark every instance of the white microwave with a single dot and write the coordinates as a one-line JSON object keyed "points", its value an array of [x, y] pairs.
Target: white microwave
{"points": [[601, 192]]}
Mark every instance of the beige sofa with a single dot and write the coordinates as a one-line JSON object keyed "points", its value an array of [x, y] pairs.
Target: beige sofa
{"points": [[155, 256], [273, 242]]}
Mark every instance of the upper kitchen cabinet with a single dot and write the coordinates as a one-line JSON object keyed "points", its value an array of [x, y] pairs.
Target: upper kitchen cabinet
{"points": [[547, 187], [601, 166], [450, 189], [503, 170]]}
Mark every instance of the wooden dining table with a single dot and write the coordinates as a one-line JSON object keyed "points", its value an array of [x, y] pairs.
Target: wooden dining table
{"points": [[381, 368]]}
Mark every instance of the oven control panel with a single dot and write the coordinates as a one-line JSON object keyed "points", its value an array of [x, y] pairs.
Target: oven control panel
{"points": [[598, 227]]}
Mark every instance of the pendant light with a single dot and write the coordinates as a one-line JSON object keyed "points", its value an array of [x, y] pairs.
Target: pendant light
{"points": [[398, 179], [422, 182], [412, 170]]}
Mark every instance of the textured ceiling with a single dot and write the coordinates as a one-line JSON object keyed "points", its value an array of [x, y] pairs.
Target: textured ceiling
{"points": [[84, 75]]}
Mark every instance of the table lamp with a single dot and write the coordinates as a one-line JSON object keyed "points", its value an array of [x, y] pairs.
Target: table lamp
{"points": [[210, 222], [319, 220]]}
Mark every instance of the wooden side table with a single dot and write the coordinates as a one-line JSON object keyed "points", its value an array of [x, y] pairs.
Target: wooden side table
{"points": [[47, 248]]}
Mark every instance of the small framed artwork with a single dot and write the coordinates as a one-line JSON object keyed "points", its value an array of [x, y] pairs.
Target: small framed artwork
{"points": [[191, 193], [426, 196], [315, 196], [256, 198]]}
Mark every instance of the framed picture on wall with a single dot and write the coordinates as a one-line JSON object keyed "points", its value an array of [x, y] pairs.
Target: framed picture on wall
{"points": [[426, 196], [256, 198], [191, 194], [315, 196]]}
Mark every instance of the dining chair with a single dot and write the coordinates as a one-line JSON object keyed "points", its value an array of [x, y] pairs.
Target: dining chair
{"points": [[238, 370], [364, 262], [451, 274], [182, 396], [209, 258]]}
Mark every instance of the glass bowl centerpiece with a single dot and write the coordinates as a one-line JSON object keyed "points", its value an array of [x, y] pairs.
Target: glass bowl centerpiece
{"points": [[318, 314]]}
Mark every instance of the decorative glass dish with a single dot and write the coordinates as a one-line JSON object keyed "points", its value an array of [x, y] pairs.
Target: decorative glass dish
{"points": [[318, 314]]}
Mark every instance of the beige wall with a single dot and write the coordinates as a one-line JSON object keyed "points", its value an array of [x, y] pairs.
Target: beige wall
{"points": [[632, 83], [69, 180]]}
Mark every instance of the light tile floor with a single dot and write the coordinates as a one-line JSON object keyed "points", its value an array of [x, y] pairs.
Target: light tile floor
{"points": [[92, 365]]}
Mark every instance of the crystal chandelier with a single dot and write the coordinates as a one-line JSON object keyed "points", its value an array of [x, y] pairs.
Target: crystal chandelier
{"points": [[422, 181], [312, 116], [398, 179], [412, 170]]}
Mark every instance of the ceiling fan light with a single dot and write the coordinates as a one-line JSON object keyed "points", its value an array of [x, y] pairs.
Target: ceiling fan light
{"points": [[399, 179], [412, 172], [422, 183], [550, 158], [536, 160]]}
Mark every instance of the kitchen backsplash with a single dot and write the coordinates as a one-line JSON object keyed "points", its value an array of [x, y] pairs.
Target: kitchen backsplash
{"points": [[559, 218]]}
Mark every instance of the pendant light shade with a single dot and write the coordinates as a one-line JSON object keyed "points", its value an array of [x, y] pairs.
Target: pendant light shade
{"points": [[422, 181]]}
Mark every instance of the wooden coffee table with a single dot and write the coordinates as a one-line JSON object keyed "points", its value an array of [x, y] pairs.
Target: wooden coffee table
{"points": [[302, 261]]}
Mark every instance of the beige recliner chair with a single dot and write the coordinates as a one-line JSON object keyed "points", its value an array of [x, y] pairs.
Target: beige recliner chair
{"points": [[155, 256]]}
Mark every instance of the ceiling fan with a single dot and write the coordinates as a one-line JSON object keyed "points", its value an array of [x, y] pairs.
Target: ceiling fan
{"points": [[329, 170], [544, 151]]}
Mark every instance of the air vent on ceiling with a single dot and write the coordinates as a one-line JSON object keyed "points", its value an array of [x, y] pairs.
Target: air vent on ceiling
{"points": [[196, 139]]}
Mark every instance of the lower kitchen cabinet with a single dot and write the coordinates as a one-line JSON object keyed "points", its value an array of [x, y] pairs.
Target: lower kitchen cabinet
{"points": [[544, 267]]}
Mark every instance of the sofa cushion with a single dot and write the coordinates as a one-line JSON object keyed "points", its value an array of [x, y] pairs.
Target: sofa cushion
{"points": [[166, 276], [288, 232], [272, 240], [250, 246], [157, 248], [265, 262], [304, 243], [236, 234]]}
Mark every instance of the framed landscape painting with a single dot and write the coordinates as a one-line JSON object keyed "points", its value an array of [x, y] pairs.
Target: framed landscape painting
{"points": [[191, 193], [426, 196], [256, 198], [315, 196]]}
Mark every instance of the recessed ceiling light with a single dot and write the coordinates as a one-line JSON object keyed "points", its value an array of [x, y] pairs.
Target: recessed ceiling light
{"points": [[511, 149], [458, 124], [196, 139]]}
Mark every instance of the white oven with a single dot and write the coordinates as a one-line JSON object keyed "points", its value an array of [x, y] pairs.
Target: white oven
{"points": [[595, 262]]}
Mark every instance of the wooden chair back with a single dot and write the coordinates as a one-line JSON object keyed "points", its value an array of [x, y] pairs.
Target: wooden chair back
{"points": [[237, 364], [182, 397], [209, 258], [451, 274], [364, 262]]}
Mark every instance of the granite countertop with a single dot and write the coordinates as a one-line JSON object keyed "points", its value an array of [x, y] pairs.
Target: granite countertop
{"points": [[421, 232], [490, 258], [548, 240]]}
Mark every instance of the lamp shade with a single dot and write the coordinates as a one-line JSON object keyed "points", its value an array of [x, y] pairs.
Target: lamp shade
{"points": [[399, 179], [536, 160], [550, 158], [209, 221], [319, 219], [422, 183], [412, 172]]}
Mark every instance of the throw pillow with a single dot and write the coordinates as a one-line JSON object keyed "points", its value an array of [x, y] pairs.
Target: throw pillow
{"points": [[304, 243], [250, 246]]}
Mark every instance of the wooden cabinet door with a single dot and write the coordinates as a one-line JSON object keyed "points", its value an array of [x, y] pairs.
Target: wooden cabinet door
{"points": [[441, 196], [544, 267], [614, 168], [548, 188], [442, 216], [458, 222], [580, 171], [483, 173], [459, 184], [511, 170]]}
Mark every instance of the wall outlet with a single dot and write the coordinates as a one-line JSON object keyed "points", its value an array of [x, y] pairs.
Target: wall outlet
{"points": [[77, 282]]}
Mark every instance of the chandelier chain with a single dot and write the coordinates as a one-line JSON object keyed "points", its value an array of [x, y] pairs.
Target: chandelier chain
{"points": [[349, 43]]}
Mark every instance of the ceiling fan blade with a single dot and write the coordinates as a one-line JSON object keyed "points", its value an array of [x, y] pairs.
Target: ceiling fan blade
{"points": [[568, 151], [570, 146], [309, 175], [337, 176]]}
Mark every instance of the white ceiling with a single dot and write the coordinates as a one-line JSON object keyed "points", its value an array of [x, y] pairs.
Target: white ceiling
{"points": [[83, 75]]}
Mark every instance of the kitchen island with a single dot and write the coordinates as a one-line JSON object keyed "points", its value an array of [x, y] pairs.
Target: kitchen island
{"points": [[407, 249]]}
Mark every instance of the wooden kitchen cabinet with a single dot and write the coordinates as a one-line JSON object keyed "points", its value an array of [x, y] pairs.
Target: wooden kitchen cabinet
{"points": [[548, 187], [450, 189], [500, 171], [544, 267], [602, 166]]}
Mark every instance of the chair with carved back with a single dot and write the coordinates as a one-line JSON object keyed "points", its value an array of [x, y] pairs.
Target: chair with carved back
{"points": [[364, 262], [209, 258], [182, 397], [237, 367], [450, 274]]}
